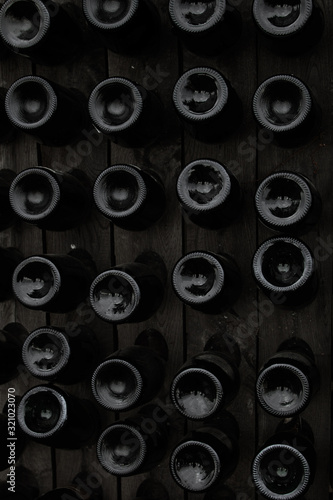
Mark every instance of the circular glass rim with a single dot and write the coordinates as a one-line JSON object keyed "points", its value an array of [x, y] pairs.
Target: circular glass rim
{"points": [[279, 221], [103, 401], [220, 83], [62, 417], [46, 330], [208, 374], [198, 255], [109, 26], [308, 263], [51, 107], [45, 23], [139, 461], [142, 195], [186, 199], [305, 387], [36, 302], [42, 171], [122, 274], [206, 447], [277, 31], [178, 21], [259, 115], [266, 491], [133, 118]]}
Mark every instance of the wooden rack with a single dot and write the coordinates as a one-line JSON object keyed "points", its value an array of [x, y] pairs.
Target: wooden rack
{"points": [[256, 324]]}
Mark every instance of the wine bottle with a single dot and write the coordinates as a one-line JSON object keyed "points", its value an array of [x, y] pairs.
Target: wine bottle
{"points": [[286, 109], [206, 456], [285, 466], [288, 379], [7, 216], [54, 283], [284, 269], [206, 104], [208, 381], [133, 375], [51, 113], [57, 354], [42, 31], [12, 337], [126, 112], [24, 483], [136, 444], [7, 131], [206, 281], [130, 29], [53, 417], [207, 28], [288, 202], [131, 197], [10, 258], [80, 488], [209, 194], [151, 489], [291, 27], [129, 292], [51, 199]]}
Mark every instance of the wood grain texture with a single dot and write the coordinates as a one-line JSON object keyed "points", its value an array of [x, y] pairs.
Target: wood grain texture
{"points": [[256, 326], [311, 323], [17, 155]]}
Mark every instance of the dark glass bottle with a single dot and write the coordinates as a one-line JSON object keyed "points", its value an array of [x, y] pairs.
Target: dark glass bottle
{"points": [[284, 106], [131, 376], [223, 493], [288, 379], [205, 28], [130, 292], [129, 28], [53, 114], [209, 194], [132, 198], [9, 258], [151, 489], [206, 456], [288, 202], [206, 281], [54, 283], [289, 27], [126, 112], [208, 381], [7, 216], [81, 488], [136, 444], [285, 466], [284, 268], [7, 131], [24, 484], [12, 337], [206, 104], [52, 353], [40, 30], [51, 199], [53, 417]]}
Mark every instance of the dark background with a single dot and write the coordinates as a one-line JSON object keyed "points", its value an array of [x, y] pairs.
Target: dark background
{"points": [[258, 326]]}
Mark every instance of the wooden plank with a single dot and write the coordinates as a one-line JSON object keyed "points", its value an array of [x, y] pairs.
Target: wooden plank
{"points": [[238, 240], [311, 323], [88, 155], [157, 72], [19, 154]]}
